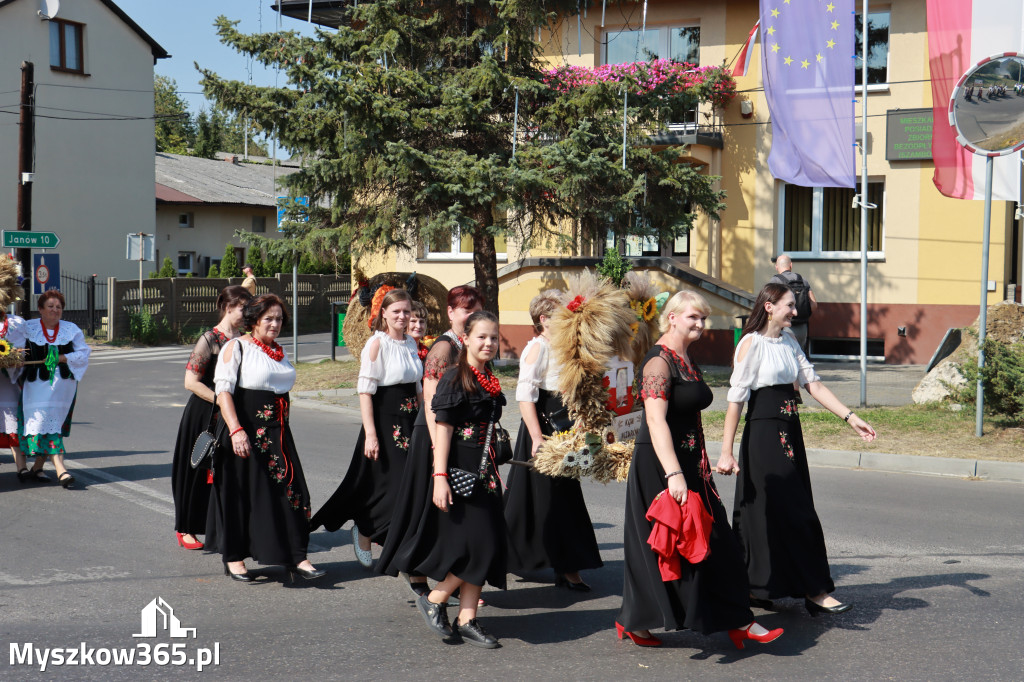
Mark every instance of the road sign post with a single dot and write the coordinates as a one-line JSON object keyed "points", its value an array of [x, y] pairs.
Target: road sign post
{"points": [[45, 272], [17, 239], [141, 247]]}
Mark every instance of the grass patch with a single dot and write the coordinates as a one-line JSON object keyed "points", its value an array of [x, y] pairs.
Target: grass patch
{"points": [[930, 430], [326, 375]]}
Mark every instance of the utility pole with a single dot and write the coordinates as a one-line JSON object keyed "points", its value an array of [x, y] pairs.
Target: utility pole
{"points": [[26, 143]]}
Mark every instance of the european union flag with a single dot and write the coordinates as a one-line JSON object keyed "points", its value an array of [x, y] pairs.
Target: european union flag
{"points": [[807, 65]]}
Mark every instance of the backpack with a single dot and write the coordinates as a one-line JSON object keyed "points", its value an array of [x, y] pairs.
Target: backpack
{"points": [[800, 290]]}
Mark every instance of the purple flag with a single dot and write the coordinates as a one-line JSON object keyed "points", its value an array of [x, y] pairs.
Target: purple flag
{"points": [[807, 49]]}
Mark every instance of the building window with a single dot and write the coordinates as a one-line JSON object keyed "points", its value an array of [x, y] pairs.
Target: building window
{"points": [[186, 220], [878, 47], [259, 223], [821, 221], [66, 46], [678, 43], [186, 259], [452, 245]]}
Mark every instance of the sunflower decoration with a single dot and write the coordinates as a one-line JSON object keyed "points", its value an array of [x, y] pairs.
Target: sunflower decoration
{"points": [[644, 304], [9, 355]]}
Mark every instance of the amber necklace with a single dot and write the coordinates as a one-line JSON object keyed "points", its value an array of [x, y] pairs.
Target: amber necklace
{"points": [[489, 382]]}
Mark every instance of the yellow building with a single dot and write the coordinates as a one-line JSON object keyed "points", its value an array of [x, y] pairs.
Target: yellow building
{"points": [[924, 271]]}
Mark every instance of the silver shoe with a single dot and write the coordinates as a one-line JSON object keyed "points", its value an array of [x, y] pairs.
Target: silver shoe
{"points": [[363, 556]]}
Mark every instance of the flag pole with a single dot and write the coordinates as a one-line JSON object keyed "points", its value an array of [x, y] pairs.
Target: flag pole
{"points": [[983, 315], [862, 199]]}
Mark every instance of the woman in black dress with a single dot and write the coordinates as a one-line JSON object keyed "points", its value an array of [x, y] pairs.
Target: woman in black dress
{"points": [[470, 545], [191, 487], [547, 519], [408, 534], [710, 596], [260, 505], [773, 511], [389, 399]]}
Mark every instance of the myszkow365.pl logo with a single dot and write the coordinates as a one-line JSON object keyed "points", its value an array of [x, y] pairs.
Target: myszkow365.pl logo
{"points": [[157, 619]]}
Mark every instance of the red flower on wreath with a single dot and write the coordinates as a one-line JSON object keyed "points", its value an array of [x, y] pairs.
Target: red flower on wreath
{"points": [[575, 303]]}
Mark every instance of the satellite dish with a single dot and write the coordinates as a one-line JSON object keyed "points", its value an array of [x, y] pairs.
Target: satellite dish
{"points": [[48, 9]]}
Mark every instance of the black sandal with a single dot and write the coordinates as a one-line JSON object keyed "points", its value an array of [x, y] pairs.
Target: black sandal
{"points": [[39, 476], [66, 480], [23, 474]]}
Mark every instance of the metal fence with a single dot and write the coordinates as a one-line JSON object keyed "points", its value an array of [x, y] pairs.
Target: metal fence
{"points": [[86, 301]]}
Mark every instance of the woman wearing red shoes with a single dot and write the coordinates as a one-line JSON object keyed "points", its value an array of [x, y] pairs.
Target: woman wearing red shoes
{"points": [[389, 398], [710, 596], [191, 487], [51, 386], [260, 505], [773, 511]]}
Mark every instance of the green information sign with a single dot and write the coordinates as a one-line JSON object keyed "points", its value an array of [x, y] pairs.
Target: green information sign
{"points": [[17, 239], [908, 134]]}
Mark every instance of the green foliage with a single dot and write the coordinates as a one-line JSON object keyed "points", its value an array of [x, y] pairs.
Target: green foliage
{"points": [[1003, 380], [209, 135], [214, 271], [145, 328], [175, 132], [405, 117], [229, 264], [614, 267], [167, 268]]}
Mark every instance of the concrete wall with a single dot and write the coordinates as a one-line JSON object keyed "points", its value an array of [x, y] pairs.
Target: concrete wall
{"points": [[94, 179], [213, 229]]}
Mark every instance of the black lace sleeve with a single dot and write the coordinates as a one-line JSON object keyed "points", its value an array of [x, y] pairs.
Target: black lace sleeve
{"points": [[204, 351]]}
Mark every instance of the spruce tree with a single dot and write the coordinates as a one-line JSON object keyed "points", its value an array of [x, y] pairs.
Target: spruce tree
{"points": [[405, 117], [229, 264]]}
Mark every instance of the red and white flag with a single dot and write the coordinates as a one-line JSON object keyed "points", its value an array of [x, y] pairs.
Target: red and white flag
{"points": [[743, 60], [960, 34]]}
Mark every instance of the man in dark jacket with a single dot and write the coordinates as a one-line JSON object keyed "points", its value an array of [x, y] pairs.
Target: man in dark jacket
{"points": [[806, 303]]}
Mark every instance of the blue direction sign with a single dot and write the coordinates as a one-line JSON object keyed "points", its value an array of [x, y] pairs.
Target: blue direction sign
{"points": [[45, 272], [18, 239]]}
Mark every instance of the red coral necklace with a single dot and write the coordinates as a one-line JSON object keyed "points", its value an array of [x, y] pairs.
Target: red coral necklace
{"points": [[489, 382], [273, 351], [46, 335]]}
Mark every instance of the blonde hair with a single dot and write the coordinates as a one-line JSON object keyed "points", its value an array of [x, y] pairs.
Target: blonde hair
{"points": [[680, 300], [393, 296], [544, 303]]}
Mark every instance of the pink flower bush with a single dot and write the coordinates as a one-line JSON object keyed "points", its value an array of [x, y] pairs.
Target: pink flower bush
{"points": [[664, 75]]}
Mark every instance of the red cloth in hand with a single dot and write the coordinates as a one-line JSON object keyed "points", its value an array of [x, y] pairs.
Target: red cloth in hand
{"points": [[679, 532]]}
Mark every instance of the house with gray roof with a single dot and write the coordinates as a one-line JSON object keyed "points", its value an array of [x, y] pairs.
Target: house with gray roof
{"points": [[201, 203]]}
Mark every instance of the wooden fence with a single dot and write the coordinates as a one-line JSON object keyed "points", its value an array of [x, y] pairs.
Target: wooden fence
{"points": [[190, 302]]}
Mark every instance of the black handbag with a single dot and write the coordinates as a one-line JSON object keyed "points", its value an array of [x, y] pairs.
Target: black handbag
{"points": [[464, 483], [206, 442]]}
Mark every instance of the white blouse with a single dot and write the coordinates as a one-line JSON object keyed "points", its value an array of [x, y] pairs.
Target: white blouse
{"points": [[398, 362], [259, 371], [45, 405], [769, 362], [540, 374]]}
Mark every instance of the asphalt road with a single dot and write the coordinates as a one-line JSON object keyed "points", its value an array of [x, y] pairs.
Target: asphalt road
{"points": [[933, 566], [981, 120]]}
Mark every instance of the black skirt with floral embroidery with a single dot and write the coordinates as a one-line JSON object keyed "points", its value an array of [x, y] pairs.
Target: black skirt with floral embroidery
{"points": [[773, 511], [260, 505], [367, 495]]}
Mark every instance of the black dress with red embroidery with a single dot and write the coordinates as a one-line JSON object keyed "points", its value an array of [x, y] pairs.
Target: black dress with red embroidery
{"points": [[713, 595], [407, 530], [191, 487]]}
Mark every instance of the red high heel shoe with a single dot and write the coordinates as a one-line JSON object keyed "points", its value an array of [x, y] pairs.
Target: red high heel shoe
{"points": [[738, 636], [188, 545], [638, 640]]}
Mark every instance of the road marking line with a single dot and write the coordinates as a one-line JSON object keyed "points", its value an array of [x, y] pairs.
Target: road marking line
{"points": [[132, 492]]}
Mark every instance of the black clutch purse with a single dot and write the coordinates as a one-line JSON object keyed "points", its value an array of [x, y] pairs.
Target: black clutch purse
{"points": [[462, 482], [204, 446]]}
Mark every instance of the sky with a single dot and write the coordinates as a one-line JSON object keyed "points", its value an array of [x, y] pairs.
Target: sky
{"points": [[185, 29]]}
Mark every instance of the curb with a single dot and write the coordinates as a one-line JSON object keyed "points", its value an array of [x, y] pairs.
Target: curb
{"points": [[987, 470]]}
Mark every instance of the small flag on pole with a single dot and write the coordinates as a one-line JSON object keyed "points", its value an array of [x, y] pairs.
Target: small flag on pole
{"points": [[743, 61]]}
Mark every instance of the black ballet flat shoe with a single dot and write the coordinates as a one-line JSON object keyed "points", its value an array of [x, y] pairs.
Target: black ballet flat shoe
{"points": [[306, 573], [761, 603], [817, 609], [472, 633], [436, 616], [240, 577], [562, 581], [24, 475], [66, 480]]}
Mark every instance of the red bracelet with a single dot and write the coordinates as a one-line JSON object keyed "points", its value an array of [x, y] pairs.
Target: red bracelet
{"points": [[240, 428], [442, 474]]}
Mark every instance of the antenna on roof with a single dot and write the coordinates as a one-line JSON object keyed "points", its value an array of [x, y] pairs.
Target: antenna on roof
{"points": [[48, 9]]}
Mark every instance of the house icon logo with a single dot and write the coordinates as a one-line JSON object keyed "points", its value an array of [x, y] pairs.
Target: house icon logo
{"points": [[157, 617]]}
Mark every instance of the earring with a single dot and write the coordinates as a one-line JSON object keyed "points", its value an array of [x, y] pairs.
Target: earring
{"points": [[769, 317]]}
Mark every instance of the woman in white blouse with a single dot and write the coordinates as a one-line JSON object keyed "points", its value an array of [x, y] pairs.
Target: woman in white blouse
{"points": [[390, 392], [547, 520], [260, 505], [773, 512], [50, 387]]}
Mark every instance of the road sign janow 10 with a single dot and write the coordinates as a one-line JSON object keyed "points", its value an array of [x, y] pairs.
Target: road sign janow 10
{"points": [[17, 239]]}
